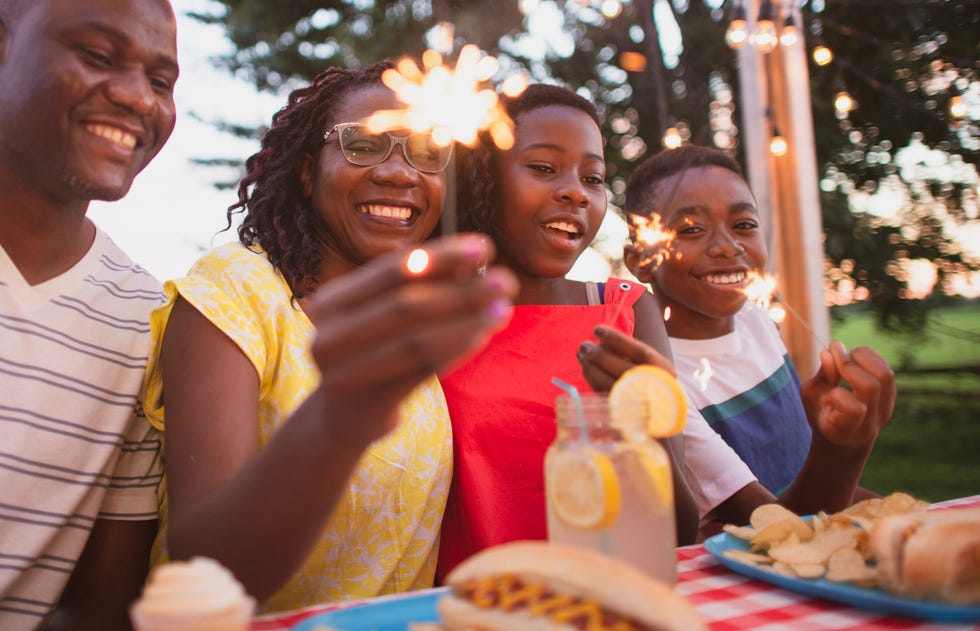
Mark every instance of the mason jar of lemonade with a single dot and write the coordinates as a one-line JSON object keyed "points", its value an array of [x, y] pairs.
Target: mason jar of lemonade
{"points": [[610, 488]]}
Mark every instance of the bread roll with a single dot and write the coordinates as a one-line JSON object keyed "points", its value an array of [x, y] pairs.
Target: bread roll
{"points": [[932, 555], [541, 586]]}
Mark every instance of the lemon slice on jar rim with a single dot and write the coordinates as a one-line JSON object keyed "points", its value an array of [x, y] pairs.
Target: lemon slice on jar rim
{"points": [[649, 473], [647, 401], [582, 488]]}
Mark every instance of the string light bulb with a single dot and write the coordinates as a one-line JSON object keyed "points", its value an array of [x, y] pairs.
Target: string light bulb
{"points": [[441, 37], [672, 138], [632, 61], [527, 7], [611, 8], [777, 143], [843, 102], [822, 55], [764, 36], [957, 106], [737, 32], [788, 36]]}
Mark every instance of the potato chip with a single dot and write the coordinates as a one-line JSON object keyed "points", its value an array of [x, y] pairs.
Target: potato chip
{"points": [[780, 531], [900, 504], [817, 550], [819, 522], [834, 546], [846, 565], [864, 508], [739, 532], [830, 540], [809, 570], [794, 553], [767, 514], [897, 503]]}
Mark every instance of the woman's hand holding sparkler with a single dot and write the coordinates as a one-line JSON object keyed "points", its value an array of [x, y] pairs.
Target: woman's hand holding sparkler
{"points": [[384, 328], [852, 396]]}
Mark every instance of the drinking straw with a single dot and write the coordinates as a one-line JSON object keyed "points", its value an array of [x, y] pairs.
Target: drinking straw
{"points": [[579, 409], [604, 541]]}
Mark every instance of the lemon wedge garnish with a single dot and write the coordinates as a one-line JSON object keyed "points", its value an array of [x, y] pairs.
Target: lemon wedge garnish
{"points": [[647, 400], [648, 471], [582, 488]]}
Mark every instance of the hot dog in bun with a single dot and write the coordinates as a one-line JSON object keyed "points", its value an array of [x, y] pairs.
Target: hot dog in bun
{"points": [[932, 555], [540, 586]]}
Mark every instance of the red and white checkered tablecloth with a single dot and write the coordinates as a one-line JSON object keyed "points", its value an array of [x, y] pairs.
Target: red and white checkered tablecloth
{"points": [[726, 600]]}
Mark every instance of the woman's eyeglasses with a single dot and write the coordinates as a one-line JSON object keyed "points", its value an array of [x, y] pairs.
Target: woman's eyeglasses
{"points": [[365, 148]]}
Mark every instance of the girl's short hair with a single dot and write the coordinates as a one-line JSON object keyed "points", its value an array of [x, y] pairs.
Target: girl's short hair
{"points": [[646, 178], [278, 215], [478, 208], [538, 95]]}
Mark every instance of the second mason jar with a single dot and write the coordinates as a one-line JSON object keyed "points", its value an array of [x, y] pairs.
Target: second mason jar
{"points": [[608, 493]]}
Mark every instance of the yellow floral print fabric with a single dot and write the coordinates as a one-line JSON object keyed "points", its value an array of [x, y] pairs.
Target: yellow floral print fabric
{"points": [[383, 536]]}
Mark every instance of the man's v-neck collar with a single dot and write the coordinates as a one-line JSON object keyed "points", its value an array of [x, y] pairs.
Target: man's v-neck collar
{"points": [[28, 296]]}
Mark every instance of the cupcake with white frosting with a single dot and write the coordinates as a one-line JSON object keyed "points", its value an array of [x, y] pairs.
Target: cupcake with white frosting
{"points": [[195, 595]]}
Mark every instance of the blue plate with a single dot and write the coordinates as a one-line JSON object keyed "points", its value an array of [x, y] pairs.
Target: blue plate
{"points": [[860, 597], [392, 614]]}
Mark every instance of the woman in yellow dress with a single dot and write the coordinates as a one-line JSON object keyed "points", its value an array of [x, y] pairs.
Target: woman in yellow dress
{"points": [[307, 442]]}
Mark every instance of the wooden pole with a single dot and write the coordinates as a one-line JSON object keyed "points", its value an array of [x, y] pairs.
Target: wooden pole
{"points": [[786, 190]]}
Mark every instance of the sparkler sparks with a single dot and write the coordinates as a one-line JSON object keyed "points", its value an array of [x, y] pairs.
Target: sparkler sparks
{"points": [[760, 289], [417, 261], [450, 102], [655, 240]]}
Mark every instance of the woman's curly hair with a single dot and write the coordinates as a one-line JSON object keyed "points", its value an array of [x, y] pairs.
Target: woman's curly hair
{"points": [[278, 217], [478, 207]]}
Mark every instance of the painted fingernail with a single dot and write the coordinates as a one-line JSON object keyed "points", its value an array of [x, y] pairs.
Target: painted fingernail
{"points": [[497, 310], [474, 249], [496, 281]]}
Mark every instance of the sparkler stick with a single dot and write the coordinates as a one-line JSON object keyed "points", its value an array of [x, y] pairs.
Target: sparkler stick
{"points": [[761, 290], [652, 236], [806, 326], [452, 103]]}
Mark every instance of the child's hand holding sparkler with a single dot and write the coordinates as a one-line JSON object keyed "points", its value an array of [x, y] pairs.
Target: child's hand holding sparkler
{"points": [[852, 396], [615, 353]]}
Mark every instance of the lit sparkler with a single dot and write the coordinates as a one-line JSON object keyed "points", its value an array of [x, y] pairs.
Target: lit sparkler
{"points": [[655, 240], [417, 261], [452, 103], [762, 289]]}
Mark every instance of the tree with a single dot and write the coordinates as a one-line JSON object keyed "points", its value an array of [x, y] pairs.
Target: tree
{"points": [[897, 58]]}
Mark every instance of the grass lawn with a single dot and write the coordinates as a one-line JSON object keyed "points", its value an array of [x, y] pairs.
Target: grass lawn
{"points": [[931, 448]]}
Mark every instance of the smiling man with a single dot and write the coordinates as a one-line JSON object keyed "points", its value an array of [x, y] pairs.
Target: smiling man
{"points": [[86, 101]]}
